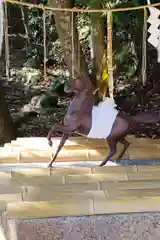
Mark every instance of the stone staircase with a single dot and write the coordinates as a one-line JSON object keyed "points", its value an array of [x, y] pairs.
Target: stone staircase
{"points": [[32, 150], [83, 202]]}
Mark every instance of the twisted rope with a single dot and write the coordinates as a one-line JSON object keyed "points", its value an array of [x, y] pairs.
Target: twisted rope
{"points": [[41, 6]]}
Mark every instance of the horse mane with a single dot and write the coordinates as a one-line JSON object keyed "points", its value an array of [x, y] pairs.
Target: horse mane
{"points": [[100, 88]]}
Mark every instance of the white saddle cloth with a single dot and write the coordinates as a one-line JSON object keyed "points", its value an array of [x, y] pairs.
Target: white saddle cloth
{"points": [[103, 117]]}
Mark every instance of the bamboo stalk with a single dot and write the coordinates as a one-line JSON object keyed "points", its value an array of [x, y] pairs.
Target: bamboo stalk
{"points": [[79, 55], [7, 60], [92, 44], [72, 39], [144, 48], [44, 45], [25, 25], [109, 53], [1, 26]]}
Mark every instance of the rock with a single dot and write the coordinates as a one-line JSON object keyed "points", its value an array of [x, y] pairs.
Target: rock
{"points": [[33, 77], [30, 76], [45, 101], [28, 108], [35, 101]]}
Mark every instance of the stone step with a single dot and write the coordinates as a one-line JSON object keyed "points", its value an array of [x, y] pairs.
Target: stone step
{"points": [[131, 193], [43, 194], [24, 186], [76, 191], [8, 157], [49, 194], [76, 206], [94, 186], [10, 197], [129, 184], [112, 190], [27, 150], [72, 143], [85, 141], [60, 179], [81, 174], [47, 191], [76, 155], [76, 143], [131, 170], [143, 175], [44, 156], [24, 172], [37, 171], [7, 188], [86, 178], [79, 191], [40, 147]]}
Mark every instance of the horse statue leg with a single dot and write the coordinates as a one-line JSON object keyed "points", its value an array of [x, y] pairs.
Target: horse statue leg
{"points": [[61, 144], [66, 130], [112, 144], [119, 130], [125, 147]]}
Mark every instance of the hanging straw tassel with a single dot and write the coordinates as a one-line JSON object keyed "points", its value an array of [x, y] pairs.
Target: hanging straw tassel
{"points": [[109, 53], [144, 48], [1, 26]]}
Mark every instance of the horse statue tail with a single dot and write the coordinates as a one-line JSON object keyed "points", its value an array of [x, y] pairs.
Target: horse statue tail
{"points": [[146, 118], [1, 26]]}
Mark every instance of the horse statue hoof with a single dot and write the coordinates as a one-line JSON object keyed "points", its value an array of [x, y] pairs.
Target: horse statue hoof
{"points": [[50, 165], [50, 143], [101, 165]]}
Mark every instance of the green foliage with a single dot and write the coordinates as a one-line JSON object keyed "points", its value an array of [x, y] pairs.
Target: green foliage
{"points": [[57, 81], [48, 102], [127, 37], [127, 33], [35, 25]]}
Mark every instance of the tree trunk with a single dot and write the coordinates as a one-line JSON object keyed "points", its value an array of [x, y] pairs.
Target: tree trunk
{"points": [[100, 50], [66, 25], [6, 124], [98, 39]]}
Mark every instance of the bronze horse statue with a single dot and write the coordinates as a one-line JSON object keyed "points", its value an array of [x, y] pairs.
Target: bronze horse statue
{"points": [[78, 119]]}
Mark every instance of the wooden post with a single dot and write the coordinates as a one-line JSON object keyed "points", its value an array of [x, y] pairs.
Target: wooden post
{"points": [[109, 53]]}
